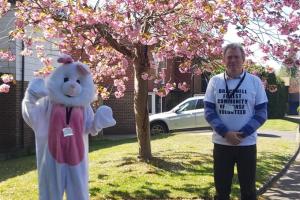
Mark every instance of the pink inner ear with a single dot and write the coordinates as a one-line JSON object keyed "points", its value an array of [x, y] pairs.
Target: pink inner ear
{"points": [[82, 70], [65, 60]]}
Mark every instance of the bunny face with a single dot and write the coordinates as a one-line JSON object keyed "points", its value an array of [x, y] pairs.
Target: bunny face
{"points": [[71, 84]]}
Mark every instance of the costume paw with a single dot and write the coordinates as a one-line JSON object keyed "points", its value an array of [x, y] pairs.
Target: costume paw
{"points": [[104, 117], [37, 88]]}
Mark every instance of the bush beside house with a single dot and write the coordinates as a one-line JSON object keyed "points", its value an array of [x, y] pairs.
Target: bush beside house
{"points": [[277, 96]]}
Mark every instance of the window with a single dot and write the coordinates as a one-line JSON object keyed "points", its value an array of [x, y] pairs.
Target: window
{"points": [[190, 105], [150, 103], [154, 103], [200, 104]]}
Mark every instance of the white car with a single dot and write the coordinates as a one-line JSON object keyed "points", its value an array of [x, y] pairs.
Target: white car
{"points": [[189, 114]]}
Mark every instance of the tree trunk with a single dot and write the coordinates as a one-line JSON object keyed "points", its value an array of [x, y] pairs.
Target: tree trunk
{"points": [[141, 64]]}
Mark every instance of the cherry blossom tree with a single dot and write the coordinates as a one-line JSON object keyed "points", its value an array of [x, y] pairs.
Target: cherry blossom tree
{"points": [[114, 35], [4, 7]]}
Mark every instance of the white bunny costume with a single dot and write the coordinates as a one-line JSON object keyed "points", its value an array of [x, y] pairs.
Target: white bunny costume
{"points": [[59, 112]]}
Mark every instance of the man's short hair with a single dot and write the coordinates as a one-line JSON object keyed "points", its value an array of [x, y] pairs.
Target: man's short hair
{"points": [[234, 46]]}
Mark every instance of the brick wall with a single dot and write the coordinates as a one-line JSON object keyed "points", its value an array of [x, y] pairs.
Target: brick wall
{"points": [[12, 138], [123, 111], [8, 120]]}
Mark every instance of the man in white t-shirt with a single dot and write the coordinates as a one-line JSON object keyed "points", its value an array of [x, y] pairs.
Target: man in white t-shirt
{"points": [[235, 107]]}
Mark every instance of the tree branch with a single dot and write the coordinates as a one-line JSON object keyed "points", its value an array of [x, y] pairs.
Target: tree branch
{"points": [[117, 46]]}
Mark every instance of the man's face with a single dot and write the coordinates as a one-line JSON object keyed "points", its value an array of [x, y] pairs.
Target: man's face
{"points": [[233, 61]]}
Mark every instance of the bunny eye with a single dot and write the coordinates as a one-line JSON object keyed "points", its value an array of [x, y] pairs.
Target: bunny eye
{"points": [[66, 79], [78, 81]]}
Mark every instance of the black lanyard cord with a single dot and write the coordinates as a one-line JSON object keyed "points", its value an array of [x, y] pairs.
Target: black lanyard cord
{"points": [[68, 114], [230, 94]]}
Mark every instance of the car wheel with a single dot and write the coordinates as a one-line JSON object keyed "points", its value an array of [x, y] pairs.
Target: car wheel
{"points": [[158, 128]]}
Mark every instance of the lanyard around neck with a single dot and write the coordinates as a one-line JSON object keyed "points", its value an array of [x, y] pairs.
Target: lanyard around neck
{"points": [[68, 114], [230, 94]]}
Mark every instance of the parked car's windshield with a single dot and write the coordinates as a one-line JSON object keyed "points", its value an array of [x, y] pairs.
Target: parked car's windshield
{"points": [[189, 105]]}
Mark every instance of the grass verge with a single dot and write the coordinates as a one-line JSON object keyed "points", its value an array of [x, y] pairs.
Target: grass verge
{"points": [[181, 168]]}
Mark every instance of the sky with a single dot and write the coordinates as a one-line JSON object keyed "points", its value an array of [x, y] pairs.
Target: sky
{"points": [[231, 36]]}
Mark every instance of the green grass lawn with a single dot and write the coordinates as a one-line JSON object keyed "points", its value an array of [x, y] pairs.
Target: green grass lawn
{"points": [[181, 168], [279, 125]]}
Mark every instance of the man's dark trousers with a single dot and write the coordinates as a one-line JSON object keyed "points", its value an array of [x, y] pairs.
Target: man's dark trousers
{"points": [[225, 158]]}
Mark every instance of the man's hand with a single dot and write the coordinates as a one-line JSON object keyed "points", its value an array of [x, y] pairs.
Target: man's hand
{"points": [[233, 137]]}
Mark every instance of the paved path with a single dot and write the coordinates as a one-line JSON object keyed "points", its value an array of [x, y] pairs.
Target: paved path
{"points": [[288, 186]]}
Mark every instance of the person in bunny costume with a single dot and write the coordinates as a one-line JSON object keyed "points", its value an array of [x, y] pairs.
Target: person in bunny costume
{"points": [[58, 110]]}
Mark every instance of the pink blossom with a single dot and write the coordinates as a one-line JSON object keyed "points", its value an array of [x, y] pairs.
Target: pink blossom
{"points": [[118, 82], [162, 92], [119, 94], [265, 48], [197, 71], [297, 63], [288, 62], [121, 88], [170, 86], [4, 7], [46, 61], [4, 88], [104, 94], [44, 71], [7, 55], [6, 78], [152, 41], [270, 70], [239, 3], [26, 52]]}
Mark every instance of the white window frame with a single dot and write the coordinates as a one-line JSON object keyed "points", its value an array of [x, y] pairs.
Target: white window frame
{"points": [[152, 96]]}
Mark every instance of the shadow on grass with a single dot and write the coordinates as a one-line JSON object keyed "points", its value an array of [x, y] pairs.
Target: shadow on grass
{"points": [[187, 162], [148, 192], [16, 167], [127, 161], [206, 192], [144, 192], [107, 143], [268, 135], [22, 165], [268, 164], [166, 165]]}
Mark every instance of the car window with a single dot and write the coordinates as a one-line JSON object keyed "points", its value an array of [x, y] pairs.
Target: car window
{"points": [[189, 105], [200, 104]]}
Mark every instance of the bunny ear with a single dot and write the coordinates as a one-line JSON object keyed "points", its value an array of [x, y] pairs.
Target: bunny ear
{"points": [[65, 59], [82, 69]]}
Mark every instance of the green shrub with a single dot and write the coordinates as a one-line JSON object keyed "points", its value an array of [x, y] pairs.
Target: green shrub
{"points": [[277, 97]]}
